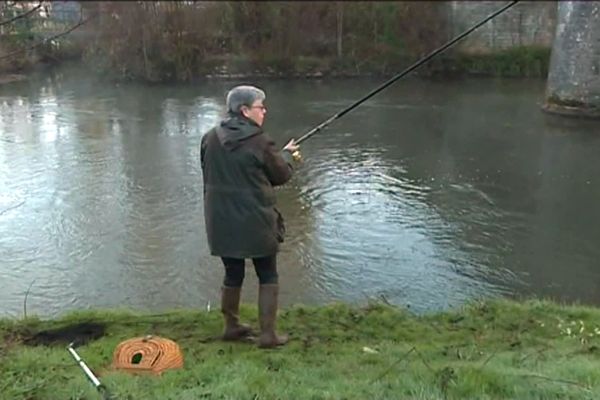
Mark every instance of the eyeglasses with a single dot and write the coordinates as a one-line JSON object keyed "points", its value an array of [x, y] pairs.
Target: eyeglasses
{"points": [[262, 108]]}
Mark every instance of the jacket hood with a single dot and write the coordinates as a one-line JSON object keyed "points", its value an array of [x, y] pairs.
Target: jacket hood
{"points": [[235, 129]]}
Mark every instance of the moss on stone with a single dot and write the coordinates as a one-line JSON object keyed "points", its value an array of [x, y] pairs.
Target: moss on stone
{"points": [[569, 102]]}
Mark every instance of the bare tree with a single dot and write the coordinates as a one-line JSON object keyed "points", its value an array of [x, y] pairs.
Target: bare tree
{"points": [[23, 15]]}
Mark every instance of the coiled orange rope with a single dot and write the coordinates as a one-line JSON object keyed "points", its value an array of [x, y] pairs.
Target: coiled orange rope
{"points": [[147, 354]]}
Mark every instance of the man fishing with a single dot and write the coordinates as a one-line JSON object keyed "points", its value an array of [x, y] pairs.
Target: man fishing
{"points": [[240, 167]]}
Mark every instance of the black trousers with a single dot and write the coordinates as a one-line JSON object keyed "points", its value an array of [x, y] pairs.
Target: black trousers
{"points": [[235, 269]]}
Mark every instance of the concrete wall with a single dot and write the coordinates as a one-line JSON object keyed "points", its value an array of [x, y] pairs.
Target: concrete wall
{"points": [[528, 23], [574, 75]]}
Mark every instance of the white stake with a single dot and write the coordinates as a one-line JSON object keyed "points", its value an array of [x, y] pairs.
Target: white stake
{"points": [[85, 368]]}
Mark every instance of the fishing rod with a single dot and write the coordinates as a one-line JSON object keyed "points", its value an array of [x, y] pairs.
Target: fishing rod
{"points": [[417, 64], [88, 372]]}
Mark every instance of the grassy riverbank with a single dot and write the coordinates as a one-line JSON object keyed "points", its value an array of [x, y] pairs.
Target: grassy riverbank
{"points": [[491, 350], [518, 62]]}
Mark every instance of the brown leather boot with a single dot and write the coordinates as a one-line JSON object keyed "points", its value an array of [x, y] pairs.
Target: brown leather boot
{"points": [[267, 314], [230, 307]]}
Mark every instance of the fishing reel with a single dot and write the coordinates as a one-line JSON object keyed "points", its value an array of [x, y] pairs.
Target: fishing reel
{"points": [[297, 156]]}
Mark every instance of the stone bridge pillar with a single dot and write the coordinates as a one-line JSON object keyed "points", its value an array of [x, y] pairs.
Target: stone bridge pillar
{"points": [[573, 86]]}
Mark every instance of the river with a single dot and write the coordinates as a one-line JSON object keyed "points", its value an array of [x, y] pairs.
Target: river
{"points": [[431, 194]]}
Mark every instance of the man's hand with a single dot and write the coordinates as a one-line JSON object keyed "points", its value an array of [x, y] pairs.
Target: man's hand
{"points": [[293, 148]]}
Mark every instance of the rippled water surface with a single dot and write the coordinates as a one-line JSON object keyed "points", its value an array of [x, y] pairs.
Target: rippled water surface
{"points": [[428, 195]]}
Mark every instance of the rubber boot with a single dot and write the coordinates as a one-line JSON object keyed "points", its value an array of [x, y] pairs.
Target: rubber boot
{"points": [[230, 307], [267, 315]]}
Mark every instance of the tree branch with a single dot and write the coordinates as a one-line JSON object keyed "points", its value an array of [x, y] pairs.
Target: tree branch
{"points": [[41, 42], [24, 15], [13, 207], [25, 301]]}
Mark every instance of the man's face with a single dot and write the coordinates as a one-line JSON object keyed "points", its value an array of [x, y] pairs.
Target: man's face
{"points": [[256, 112]]}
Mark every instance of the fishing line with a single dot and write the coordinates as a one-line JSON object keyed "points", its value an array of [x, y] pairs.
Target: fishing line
{"points": [[417, 64]]}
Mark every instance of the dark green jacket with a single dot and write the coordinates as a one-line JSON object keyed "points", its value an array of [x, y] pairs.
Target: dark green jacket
{"points": [[240, 166]]}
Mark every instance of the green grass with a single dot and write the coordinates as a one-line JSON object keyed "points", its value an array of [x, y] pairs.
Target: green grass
{"points": [[489, 350]]}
